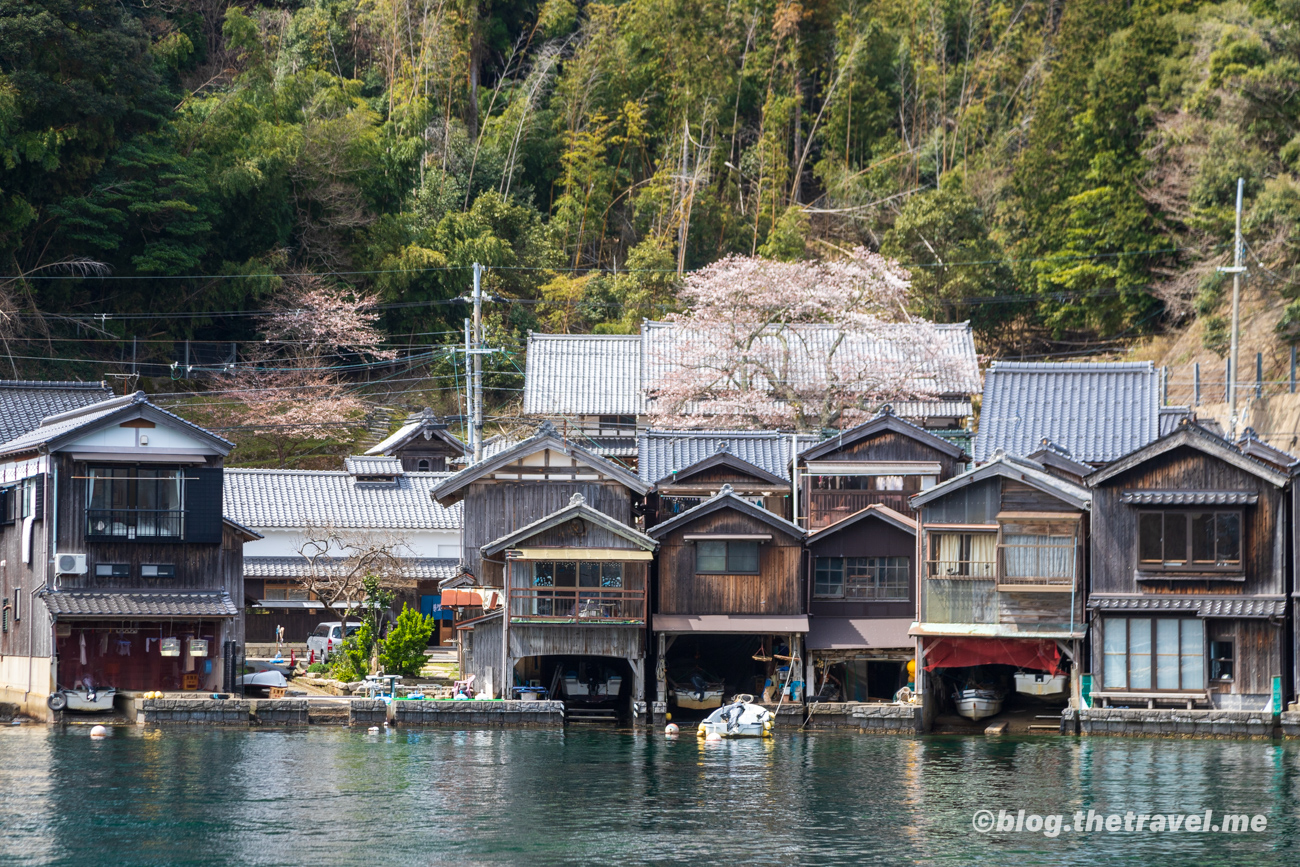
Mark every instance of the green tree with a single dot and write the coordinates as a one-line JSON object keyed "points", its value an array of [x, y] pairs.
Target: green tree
{"points": [[403, 649]]}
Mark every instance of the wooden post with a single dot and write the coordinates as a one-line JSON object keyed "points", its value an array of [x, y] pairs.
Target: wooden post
{"points": [[661, 669], [1164, 386], [638, 677], [1196, 384]]}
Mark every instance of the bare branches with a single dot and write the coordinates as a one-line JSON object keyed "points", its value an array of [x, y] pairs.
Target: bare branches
{"points": [[339, 560]]}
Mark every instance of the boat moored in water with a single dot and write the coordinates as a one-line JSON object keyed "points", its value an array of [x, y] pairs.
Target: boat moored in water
{"points": [[740, 719], [977, 704]]}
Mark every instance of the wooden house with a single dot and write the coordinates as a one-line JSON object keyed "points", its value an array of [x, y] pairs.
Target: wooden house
{"points": [[730, 601], [1189, 561], [1003, 551], [552, 524], [118, 566], [855, 488], [424, 444]]}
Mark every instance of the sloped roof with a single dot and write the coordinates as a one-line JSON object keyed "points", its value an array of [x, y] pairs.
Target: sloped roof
{"points": [[1096, 411], [955, 371], [1202, 606], [583, 374], [265, 498], [1192, 435], [1019, 469], [421, 424], [64, 426], [415, 568], [726, 498], [883, 421], [24, 403], [875, 510], [365, 465], [661, 453], [577, 508], [723, 458], [140, 603]]}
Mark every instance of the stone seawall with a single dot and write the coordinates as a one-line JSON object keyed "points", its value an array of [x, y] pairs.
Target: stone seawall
{"points": [[479, 714], [368, 712], [280, 712], [899, 719], [195, 711], [1169, 722]]}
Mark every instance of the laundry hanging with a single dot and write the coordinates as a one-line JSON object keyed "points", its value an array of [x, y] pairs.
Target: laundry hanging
{"points": [[82, 642], [103, 644]]}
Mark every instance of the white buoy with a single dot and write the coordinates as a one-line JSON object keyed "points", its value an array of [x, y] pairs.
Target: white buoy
{"points": [[373, 729], [712, 736], [99, 732], [672, 729]]}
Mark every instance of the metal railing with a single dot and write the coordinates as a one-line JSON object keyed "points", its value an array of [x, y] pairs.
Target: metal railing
{"points": [[577, 605], [135, 523]]}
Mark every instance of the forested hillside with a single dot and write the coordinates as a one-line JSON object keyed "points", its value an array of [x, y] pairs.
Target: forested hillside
{"points": [[1061, 173]]}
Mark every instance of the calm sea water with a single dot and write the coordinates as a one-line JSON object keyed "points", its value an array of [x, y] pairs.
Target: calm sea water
{"points": [[342, 797]]}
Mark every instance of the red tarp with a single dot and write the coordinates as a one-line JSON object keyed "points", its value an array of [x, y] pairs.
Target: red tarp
{"points": [[1035, 654]]}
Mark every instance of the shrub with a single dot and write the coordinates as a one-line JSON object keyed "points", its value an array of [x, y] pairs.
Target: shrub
{"points": [[403, 651], [352, 662]]}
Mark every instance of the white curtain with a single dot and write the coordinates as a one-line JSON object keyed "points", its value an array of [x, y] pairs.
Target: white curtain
{"points": [[1031, 556], [983, 553]]}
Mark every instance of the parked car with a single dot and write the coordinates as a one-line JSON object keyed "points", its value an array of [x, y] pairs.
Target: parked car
{"points": [[329, 637]]}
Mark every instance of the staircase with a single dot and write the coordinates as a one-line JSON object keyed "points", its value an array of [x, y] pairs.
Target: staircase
{"points": [[590, 716], [379, 421]]}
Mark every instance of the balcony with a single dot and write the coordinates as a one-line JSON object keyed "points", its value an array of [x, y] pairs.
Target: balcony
{"points": [[827, 507], [978, 570], [577, 605], [135, 523]]}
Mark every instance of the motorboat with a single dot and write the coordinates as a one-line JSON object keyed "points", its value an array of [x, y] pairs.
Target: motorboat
{"points": [[740, 719], [83, 700], [591, 684], [262, 674], [697, 690], [1040, 685], [976, 704]]}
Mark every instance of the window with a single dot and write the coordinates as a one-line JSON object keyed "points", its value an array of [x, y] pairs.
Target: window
{"points": [[112, 570], [621, 423], [158, 570], [962, 555], [732, 556], [422, 465], [587, 589], [285, 590], [1181, 540], [1162, 653], [29, 497], [134, 503], [1221, 658], [863, 578], [1037, 558]]}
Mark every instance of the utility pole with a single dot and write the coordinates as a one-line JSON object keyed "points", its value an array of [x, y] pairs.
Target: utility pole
{"points": [[478, 361], [1236, 271], [469, 389]]}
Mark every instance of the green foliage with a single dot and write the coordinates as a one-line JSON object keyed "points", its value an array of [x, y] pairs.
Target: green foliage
{"points": [[403, 649], [352, 661]]}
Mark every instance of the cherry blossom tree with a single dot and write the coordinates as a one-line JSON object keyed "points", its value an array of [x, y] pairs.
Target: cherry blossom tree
{"points": [[794, 345]]}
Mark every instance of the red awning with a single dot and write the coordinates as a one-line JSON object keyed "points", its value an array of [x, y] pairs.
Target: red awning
{"points": [[1035, 654]]}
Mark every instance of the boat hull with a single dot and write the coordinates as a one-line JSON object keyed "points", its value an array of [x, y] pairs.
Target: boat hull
{"points": [[1041, 685], [690, 700], [977, 704], [739, 720], [80, 702]]}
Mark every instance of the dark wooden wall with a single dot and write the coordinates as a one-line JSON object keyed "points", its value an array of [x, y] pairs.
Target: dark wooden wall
{"points": [[31, 633], [578, 639], [777, 589], [438, 452], [888, 445], [869, 537], [1019, 497], [1114, 526]]}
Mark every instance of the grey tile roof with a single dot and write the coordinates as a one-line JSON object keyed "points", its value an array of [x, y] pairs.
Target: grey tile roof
{"points": [[140, 603], [364, 465], [1020, 469], [1189, 498], [23, 403], [920, 410], [417, 424], [583, 374], [955, 372], [662, 452], [295, 498], [56, 426], [1095, 411], [416, 568], [1203, 606]]}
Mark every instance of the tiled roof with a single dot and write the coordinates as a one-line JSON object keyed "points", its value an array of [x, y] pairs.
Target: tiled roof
{"points": [[955, 371], [583, 374], [362, 465], [1203, 606], [914, 410], [23, 403], [415, 568], [662, 452], [1095, 411], [140, 603], [1024, 470], [295, 498], [1189, 498], [54, 427], [423, 423]]}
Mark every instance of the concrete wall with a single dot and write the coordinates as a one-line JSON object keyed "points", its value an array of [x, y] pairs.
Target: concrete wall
{"points": [[200, 711], [479, 714], [1169, 722], [16, 673]]}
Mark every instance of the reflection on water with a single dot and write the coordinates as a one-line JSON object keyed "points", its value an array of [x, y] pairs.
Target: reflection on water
{"points": [[335, 796]]}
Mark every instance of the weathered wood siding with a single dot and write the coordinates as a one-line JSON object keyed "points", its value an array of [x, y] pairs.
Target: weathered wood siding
{"points": [[1019, 497], [481, 653], [30, 635], [1258, 646], [777, 589], [869, 537], [1114, 526], [579, 639], [888, 445]]}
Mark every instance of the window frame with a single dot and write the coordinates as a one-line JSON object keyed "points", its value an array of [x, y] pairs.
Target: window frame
{"points": [[877, 565], [1188, 564], [727, 561], [1154, 654], [133, 481]]}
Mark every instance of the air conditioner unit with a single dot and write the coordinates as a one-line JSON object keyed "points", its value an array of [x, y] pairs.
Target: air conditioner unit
{"points": [[70, 564]]}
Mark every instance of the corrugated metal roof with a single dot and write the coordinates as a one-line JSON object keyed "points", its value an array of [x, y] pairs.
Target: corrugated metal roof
{"points": [[663, 452], [140, 603], [295, 498], [955, 371], [416, 568], [24, 403], [1096, 411], [1202, 606], [1190, 498], [583, 374]]}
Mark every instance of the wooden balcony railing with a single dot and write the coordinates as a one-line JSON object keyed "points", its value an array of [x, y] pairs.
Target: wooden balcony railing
{"points": [[827, 507], [577, 605]]}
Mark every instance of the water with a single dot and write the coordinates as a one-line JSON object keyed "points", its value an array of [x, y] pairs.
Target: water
{"points": [[345, 797]]}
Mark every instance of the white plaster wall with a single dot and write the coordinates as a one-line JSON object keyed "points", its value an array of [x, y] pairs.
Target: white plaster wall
{"points": [[281, 542]]}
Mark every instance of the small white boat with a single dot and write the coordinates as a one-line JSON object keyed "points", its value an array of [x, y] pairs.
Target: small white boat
{"points": [[262, 674], [83, 700], [603, 686], [697, 691], [1041, 685], [740, 719], [976, 704]]}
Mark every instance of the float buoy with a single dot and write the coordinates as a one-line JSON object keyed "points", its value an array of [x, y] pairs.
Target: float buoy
{"points": [[672, 729], [711, 737], [99, 732], [373, 729]]}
